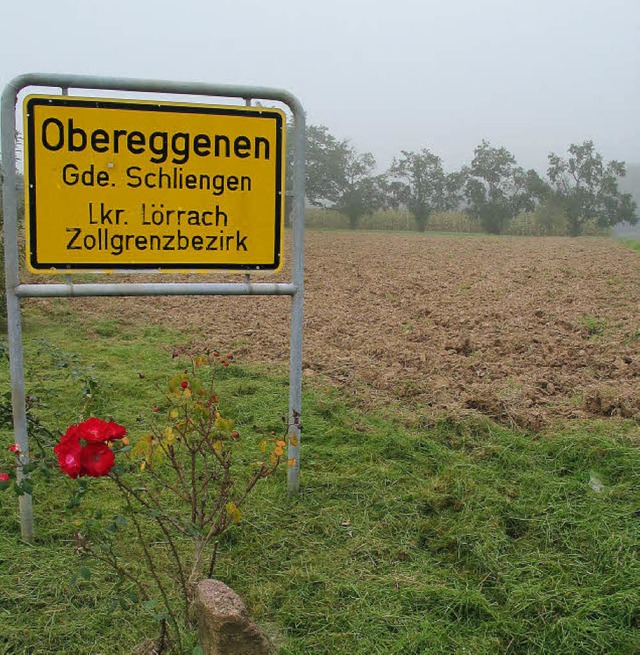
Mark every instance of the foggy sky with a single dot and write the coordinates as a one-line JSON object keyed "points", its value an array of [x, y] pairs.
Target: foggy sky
{"points": [[389, 75]]}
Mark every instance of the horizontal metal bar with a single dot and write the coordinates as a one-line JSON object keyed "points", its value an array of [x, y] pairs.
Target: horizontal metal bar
{"points": [[156, 289], [152, 86]]}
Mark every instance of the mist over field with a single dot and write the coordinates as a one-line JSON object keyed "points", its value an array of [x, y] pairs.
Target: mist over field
{"points": [[533, 77]]}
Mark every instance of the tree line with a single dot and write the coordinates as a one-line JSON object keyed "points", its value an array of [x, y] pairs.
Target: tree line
{"points": [[579, 188]]}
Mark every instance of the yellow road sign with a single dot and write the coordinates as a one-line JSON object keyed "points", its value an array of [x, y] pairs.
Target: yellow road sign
{"points": [[124, 185]]}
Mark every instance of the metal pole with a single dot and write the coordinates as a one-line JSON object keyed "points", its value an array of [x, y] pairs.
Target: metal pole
{"points": [[156, 289], [247, 277], [154, 86], [65, 92], [297, 301], [14, 322]]}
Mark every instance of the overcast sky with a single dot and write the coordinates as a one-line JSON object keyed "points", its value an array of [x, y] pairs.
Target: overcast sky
{"points": [[390, 75]]}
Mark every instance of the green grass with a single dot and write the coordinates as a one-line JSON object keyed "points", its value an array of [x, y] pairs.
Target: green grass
{"points": [[463, 537], [595, 325], [632, 243]]}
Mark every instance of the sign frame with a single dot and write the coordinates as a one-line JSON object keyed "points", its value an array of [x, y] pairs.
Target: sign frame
{"points": [[16, 290], [94, 109]]}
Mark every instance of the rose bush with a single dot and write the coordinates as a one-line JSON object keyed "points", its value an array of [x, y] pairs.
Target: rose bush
{"points": [[177, 488]]}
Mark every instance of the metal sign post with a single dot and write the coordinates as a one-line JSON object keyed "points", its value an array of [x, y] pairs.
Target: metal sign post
{"points": [[116, 150]]}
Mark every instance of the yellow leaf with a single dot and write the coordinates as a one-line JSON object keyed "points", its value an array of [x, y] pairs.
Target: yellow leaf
{"points": [[217, 446], [174, 413], [263, 446], [278, 451], [233, 512], [293, 440], [125, 441], [221, 423], [143, 465], [187, 393], [292, 462], [142, 446]]}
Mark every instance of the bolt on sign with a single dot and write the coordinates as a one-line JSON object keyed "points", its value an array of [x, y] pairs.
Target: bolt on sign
{"points": [[125, 185]]}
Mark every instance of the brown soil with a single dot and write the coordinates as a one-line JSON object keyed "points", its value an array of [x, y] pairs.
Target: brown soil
{"points": [[525, 330]]}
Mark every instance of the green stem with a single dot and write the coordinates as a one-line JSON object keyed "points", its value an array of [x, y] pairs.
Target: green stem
{"points": [[167, 534], [154, 573]]}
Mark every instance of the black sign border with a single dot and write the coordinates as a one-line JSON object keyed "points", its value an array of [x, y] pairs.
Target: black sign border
{"points": [[99, 103]]}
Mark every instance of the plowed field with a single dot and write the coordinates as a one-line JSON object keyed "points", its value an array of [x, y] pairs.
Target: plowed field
{"points": [[525, 330]]}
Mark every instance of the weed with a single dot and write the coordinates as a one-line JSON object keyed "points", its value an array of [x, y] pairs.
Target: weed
{"points": [[595, 325]]}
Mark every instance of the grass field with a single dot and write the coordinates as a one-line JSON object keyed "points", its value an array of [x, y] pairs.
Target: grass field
{"points": [[413, 533], [632, 243]]}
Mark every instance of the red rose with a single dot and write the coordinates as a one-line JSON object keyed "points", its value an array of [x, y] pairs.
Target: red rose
{"points": [[184, 384], [83, 450], [68, 452], [97, 459], [14, 448], [70, 440], [4, 477], [97, 430]]}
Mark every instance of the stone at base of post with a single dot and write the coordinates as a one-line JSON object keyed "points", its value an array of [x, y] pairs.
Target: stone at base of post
{"points": [[224, 625]]}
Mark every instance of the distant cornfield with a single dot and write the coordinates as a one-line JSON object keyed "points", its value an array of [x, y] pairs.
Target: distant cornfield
{"points": [[526, 224]]}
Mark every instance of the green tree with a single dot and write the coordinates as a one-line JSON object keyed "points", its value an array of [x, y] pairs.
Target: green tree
{"points": [[497, 189], [361, 192], [630, 183], [325, 165], [550, 218], [418, 181], [340, 178], [587, 188]]}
